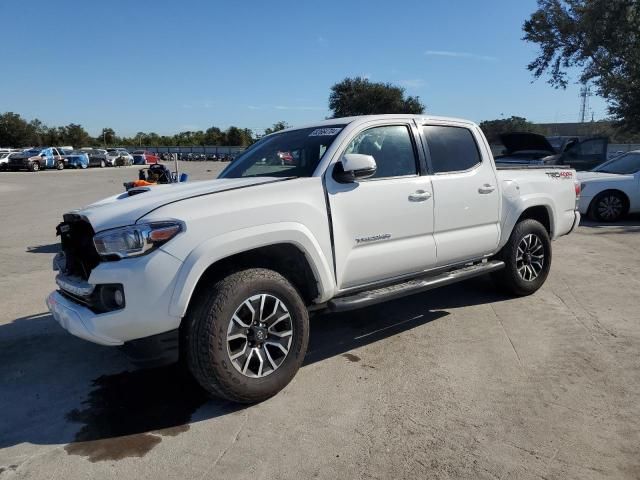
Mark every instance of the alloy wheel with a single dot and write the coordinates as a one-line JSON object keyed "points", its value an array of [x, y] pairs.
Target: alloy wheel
{"points": [[530, 257], [259, 335]]}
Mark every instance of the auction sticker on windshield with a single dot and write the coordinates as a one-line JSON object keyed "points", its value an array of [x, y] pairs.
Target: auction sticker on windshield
{"points": [[324, 132]]}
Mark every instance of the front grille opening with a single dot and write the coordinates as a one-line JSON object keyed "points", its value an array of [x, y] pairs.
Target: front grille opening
{"points": [[77, 244]]}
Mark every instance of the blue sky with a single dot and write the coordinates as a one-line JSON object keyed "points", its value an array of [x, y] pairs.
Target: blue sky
{"points": [[168, 66]]}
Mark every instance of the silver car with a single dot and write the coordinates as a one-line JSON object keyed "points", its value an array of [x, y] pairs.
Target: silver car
{"points": [[119, 157]]}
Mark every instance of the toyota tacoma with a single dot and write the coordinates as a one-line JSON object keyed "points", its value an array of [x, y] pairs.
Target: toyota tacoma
{"points": [[223, 274]]}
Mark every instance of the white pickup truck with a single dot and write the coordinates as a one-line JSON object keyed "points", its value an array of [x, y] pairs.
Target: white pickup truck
{"points": [[338, 215]]}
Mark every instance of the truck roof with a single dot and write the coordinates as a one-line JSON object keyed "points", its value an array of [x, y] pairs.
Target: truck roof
{"points": [[368, 118]]}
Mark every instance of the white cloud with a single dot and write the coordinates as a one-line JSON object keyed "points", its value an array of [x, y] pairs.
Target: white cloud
{"points": [[320, 40], [254, 107], [447, 53]]}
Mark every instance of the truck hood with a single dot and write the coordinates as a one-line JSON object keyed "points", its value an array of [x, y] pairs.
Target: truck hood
{"points": [[122, 209], [524, 141]]}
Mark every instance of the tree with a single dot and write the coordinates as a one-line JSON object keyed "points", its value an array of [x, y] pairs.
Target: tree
{"points": [[492, 129], [107, 136], [237, 137], [214, 136], [73, 134], [15, 131], [359, 96], [276, 127], [601, 38]]}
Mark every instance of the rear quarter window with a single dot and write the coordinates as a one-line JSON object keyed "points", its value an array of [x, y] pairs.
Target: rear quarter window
{"points": [[452, 149]]}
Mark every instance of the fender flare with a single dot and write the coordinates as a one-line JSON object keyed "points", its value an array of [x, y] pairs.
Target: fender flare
{"points": [[519, 206], [238, 241]]}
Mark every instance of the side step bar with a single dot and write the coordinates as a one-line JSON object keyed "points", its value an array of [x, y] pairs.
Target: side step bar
{"points": [[379, 295]]}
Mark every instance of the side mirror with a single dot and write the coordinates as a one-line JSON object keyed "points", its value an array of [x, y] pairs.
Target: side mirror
{"points": [[354, 167]]}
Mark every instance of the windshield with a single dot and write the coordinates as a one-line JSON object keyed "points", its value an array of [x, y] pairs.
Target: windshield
{"points": [[623, 165], [295, 153]]}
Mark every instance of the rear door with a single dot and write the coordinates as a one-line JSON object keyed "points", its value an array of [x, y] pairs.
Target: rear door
{"points": [[465, 191], [383, 225]]}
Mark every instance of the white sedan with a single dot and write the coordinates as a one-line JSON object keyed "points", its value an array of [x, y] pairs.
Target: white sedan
{"points": [[612, 189]]}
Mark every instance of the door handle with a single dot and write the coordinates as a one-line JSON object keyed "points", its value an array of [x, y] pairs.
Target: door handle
{"points": [[486, 188], [419, 196]]}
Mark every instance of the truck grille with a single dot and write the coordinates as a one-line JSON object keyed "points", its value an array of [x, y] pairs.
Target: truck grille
{"points": [[80, 254]]}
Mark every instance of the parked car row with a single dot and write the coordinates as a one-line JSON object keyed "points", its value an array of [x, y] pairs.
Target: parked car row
{"points": [[41, 158], [199, 157]]}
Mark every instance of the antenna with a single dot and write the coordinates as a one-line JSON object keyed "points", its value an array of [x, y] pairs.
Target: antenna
{"points": [[585, 93]]}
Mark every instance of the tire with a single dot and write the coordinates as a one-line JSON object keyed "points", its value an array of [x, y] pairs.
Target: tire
{"points": [[218, 313], [102, 164], [608, 206], [60, 166], [34, 167], [524, 275]]}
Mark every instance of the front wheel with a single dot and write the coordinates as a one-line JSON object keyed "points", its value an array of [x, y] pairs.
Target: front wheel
{"points": [[102, 164], [247, 335], [60, 166], [527, 259], [34, 167]]}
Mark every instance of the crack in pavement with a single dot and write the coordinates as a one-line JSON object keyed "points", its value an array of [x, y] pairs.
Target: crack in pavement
{"points": [[508, 338], [224, 452]]}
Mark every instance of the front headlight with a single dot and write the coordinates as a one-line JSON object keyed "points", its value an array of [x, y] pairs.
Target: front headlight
{"points": [[135, 240]]}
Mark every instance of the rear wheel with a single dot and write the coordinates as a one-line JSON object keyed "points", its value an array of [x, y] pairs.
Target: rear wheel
{"points": [[247, 335], [608, 206], [527, 259], [34, 167], [60, 165]]}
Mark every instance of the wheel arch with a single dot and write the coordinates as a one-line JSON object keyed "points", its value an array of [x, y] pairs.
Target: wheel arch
{"points": [[291, 252], [540, 213], [536, 208]]}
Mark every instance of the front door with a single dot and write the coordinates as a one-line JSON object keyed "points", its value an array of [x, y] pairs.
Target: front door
{"points": [[467, 198], [383, 225]]}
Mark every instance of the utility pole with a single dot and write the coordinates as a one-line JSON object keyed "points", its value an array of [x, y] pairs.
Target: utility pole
{"points": [[585, 93]]}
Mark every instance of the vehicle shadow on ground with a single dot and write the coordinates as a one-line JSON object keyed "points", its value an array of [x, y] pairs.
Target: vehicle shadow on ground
{"points": [[126, 414], [628, 224], [51, 248]]}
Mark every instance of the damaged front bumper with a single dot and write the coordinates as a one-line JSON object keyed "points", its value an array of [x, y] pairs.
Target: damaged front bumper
{"points": [[147, 284]]}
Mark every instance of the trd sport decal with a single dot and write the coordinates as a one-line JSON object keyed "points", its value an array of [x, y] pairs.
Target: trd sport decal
{"points": [[561, 175]]}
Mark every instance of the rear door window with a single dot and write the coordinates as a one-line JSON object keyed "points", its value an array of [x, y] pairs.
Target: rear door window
{"points": [[452, 149]]}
